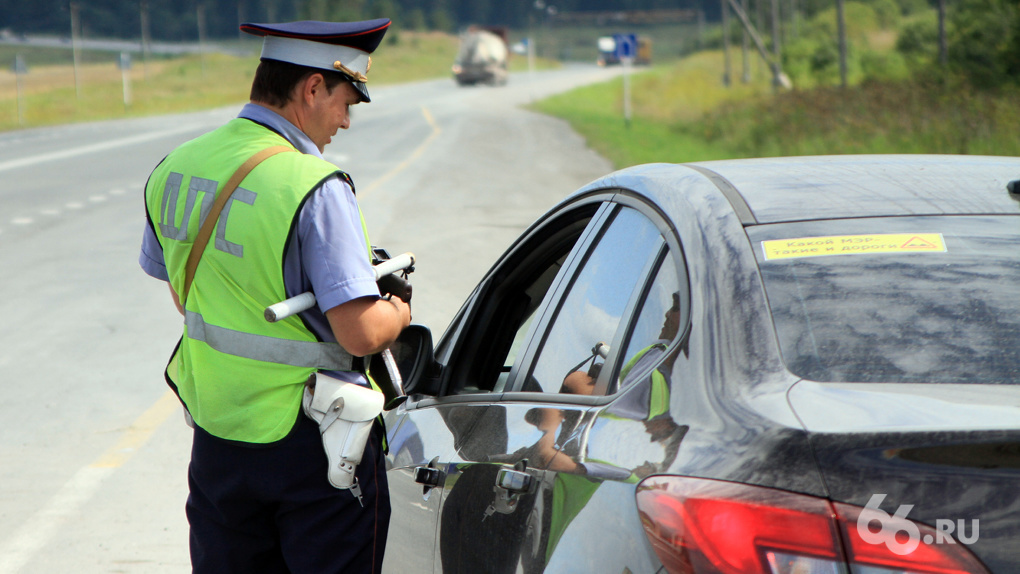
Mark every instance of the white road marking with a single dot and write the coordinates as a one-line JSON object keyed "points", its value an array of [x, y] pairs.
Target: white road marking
{"points": [[53, 212], [40, 528], [92, 148]]}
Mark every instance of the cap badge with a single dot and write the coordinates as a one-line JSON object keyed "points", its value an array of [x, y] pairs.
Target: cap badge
{"points": [[338, 65]]}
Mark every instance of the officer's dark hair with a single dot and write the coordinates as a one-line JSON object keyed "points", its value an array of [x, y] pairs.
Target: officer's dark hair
{"points": [[274, 81]]}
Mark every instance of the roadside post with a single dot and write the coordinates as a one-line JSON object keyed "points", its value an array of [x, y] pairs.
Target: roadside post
{"points": [[530, 45], [626, 49], [19, 70], [76, 47], [125, 68]]}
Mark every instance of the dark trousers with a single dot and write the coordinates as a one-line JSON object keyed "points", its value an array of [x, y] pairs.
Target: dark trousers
{"points": [[270, 508]]}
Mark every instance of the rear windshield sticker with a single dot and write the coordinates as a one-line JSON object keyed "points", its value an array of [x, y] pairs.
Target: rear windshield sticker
{"points": [[853, 245]]}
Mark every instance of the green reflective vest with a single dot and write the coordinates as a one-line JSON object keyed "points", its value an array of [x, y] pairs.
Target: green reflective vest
{"points": [[658, 397], [240, 377]]}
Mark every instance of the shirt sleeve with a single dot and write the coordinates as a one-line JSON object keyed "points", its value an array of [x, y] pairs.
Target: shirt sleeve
{"points": [[334, 254], [151, 257]]}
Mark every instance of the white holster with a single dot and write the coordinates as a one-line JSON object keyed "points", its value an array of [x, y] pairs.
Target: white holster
{"points": [[345, 413]]}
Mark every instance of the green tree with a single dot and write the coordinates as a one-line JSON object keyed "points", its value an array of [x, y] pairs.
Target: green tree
{"points": [[314, 10], [918, 39], [415, 20], [983, 40], [384, 9], [347, 10], [440, 18]]}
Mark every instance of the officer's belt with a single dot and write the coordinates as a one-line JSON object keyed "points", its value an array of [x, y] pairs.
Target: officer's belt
{"points": [[309, 354]]}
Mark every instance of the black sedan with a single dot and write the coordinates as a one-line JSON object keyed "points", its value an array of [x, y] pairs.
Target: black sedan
{"points": [[778, 366]]}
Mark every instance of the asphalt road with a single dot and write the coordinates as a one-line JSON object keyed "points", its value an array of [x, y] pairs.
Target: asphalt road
{"points": [[93, 448]]}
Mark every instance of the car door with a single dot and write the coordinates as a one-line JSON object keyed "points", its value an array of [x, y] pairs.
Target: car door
{"points": [[427, 432], [519, 474]]}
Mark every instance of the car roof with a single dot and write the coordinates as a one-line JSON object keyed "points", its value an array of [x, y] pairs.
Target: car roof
{"points": [[774, 190]]}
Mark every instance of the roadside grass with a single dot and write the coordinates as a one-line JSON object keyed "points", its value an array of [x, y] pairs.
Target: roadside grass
{"points": [[190, 83], [915, 116], [49, 95], [682, 112], [664, 100]]}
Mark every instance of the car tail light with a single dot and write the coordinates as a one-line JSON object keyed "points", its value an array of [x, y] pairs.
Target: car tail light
{"points": [[700, 526]]}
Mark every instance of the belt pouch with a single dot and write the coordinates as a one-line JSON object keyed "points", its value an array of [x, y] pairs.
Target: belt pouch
{"points": [[345, 413]]}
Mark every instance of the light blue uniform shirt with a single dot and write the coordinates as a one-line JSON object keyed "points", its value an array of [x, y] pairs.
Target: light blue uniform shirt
{"points": [[326, 253]]}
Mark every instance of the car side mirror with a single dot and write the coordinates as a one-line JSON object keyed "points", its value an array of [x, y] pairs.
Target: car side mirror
{"points": [[415, 358]]}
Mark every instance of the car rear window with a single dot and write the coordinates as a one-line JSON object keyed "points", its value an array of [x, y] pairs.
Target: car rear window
{"points": [[906, 300]]}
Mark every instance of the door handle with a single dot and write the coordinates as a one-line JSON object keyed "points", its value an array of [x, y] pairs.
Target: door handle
{"points": [[430, 476], [427, 475], [513, 480], [510, 484]]}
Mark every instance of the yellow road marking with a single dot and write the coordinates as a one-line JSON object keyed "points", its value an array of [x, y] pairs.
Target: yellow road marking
{"points": [[414, 155], [139, 432], [40, 528]]}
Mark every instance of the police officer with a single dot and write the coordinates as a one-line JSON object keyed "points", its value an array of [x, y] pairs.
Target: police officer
{"points": [[259, 496]]}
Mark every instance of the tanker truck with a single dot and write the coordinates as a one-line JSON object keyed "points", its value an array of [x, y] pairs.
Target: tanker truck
{"points": [[482, 57]]}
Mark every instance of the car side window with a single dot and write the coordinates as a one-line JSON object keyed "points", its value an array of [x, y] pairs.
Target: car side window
{"points": [[576, 345], [534, 293], [497, 330], [658, 323]]}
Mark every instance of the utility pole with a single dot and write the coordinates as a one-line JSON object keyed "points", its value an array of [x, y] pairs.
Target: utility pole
{"points": [[777, 52], [20, 69], [794, 20], [746, 64], [726, 43], [943, 44], [841, 30], [759, 16], [143, 8], [701, 28], [779, 79], [76, 47], [201, 34]]}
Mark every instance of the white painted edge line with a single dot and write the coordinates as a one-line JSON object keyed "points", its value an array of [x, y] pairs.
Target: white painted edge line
{"points": [[92, 148], [40, 528]]}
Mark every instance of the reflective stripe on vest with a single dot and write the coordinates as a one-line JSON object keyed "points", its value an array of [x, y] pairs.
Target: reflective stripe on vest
{"points": [[239, 376], [309, 354]]}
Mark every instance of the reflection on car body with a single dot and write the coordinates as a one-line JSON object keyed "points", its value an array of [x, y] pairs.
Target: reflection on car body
{"points": [[749, 366]]}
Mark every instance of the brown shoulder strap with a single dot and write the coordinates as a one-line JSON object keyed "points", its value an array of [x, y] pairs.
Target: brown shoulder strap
{"points": [[198, 248]]}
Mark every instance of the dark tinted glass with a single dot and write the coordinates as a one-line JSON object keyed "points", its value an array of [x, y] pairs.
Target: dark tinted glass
{"points": [[569, 360], [658, 323], [940, 304]]}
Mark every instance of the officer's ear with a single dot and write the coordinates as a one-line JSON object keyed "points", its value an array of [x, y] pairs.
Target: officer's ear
{"points": [[309, 87], [303, 92]]}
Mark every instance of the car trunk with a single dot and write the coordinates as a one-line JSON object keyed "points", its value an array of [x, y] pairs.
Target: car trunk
{"points": [[943, 455]]}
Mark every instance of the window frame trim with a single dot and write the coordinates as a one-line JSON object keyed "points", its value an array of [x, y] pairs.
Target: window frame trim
{"points": [[610, 199], [612, 366], [672, 247], [469, 312]]}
